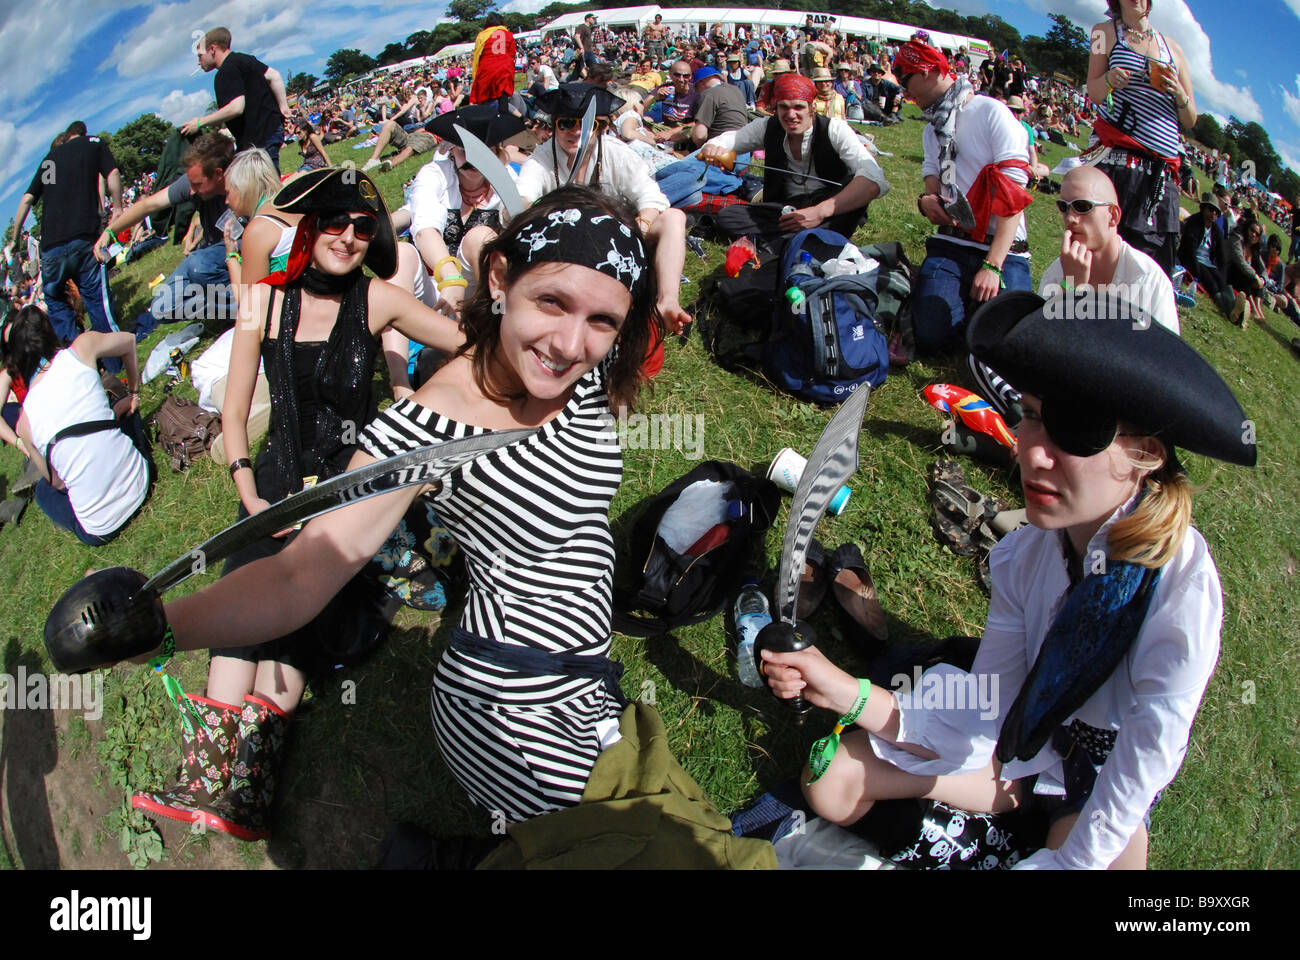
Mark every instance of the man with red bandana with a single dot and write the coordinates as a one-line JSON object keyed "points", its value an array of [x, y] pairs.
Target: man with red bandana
{"points": [[975, 167], [799, 140]]}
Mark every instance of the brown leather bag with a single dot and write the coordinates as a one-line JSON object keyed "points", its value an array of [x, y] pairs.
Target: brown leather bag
{"points": [[185, 430]]}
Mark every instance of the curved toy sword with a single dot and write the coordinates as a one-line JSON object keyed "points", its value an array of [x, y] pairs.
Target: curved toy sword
{"points": [[832, 462], [585, 144], [494, 171], [424, 465]]}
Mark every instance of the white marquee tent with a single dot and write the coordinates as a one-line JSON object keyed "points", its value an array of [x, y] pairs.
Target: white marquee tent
{"points": [[701, 19]]}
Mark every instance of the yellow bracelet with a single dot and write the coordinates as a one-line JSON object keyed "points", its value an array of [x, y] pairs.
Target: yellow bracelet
{"points": [[456, 281], [447, 259]]}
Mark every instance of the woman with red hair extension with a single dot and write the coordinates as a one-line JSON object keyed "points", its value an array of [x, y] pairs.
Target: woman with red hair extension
{"points": [[316, 326]]}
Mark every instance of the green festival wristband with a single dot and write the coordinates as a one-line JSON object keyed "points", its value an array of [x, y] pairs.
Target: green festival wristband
{"points": [[174, 692], [823, 751]]}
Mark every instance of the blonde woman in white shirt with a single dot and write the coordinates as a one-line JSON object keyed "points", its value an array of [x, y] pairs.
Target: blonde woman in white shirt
{"points": [[1103, 626]]}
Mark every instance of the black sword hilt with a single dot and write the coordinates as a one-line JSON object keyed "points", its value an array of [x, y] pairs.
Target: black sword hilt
{"points": [[781, 637]]}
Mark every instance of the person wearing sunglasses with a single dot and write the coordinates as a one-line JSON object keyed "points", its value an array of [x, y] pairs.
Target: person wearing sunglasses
{"points": [[453, 212], [612, 167], [1094, 253], [316, 326], [1246, 269], [1105, 615], [674, 102]]}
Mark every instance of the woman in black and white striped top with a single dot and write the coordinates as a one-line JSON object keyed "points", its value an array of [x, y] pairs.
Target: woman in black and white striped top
{"points": [[525, 697], [1143, 90]]}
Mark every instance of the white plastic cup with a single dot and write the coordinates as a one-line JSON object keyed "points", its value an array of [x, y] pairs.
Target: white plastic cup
{"points": [[788, 467]]}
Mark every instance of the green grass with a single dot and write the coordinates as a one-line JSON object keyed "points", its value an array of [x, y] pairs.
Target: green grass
{"points": [[355, 768]]}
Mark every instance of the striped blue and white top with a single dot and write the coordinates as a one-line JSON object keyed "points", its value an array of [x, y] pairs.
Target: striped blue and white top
{"points": [[1147, 115]]}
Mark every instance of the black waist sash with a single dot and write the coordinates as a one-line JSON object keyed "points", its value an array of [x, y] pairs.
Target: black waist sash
{"points": [[540, 663]]}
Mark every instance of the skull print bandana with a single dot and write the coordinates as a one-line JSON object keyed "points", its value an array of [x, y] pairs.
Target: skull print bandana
{"points": [[589, 238]]}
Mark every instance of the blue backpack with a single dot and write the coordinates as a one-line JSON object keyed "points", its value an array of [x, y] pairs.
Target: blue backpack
{"points": [[825, 341]]}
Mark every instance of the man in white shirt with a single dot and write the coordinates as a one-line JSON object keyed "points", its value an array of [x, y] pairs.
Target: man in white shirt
{"points": [[975, 150], [1093, 253], [542, 77]]}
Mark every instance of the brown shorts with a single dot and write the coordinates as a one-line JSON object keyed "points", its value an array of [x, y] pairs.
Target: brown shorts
{"points": [[420, 141]]}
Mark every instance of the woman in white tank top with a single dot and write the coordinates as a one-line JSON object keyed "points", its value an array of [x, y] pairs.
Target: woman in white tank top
{"points": [[97, 480]]}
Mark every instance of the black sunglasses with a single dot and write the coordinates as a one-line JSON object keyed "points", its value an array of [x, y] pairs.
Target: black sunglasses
{"points": [[1081, 207], [364, 226], [572, 123]]}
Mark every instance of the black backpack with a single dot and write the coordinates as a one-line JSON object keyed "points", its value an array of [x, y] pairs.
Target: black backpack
{"points": [[745, 324], [678, 588]]}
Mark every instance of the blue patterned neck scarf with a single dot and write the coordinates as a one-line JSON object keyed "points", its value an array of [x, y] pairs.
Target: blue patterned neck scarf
{"points": [[1091, 634]]}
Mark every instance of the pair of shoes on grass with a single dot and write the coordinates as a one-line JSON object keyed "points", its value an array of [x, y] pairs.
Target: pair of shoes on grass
{"points": [[844, 575]]}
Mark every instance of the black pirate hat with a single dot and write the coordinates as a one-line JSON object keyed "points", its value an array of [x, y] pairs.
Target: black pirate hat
{"points": [[570, 100], [483, 120], [1089, 356], [345, 188]]}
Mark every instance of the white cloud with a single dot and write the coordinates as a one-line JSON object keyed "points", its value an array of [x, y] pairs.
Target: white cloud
{"points": [[31, 40], [178, 107], [165, 39], [533, 6], [1176, 21], [1291, 102], [1294, 5]]}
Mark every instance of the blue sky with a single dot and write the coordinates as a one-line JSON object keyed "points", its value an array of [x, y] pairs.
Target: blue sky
{"points": [[121, 58]]}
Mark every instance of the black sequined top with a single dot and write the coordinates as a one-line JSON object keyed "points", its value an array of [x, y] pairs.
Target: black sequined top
{"points": [[320, 392]]}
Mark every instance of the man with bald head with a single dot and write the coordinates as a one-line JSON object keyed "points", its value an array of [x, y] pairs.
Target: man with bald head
{"points": [[1093, 252]]}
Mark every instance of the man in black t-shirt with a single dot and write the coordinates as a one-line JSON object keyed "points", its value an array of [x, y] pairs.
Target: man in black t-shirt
{"points": [[68, 183], [250, 97], [199, 288], [586, 52]]}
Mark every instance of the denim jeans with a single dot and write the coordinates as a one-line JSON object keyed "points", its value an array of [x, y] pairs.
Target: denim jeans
{"points": [[198, 289], [56, 505], [942, 299], [74, 260], [685, 181], [273, 145]]}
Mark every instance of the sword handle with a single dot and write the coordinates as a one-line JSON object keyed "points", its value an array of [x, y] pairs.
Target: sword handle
{"points": [[782, 637]]}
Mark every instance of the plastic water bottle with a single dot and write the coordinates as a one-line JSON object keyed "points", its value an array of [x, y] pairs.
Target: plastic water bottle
{"points": [[751, 616], [806, 267]]}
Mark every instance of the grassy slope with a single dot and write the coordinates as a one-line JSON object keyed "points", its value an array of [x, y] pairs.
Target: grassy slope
{"points": [[1230, 807]]}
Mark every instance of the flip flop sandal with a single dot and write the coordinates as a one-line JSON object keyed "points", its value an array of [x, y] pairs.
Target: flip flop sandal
{"points": [[953, 535], [855, 592], [949, 471], [813, 583], [983, 539], [964, 504], [1007, 521]]}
